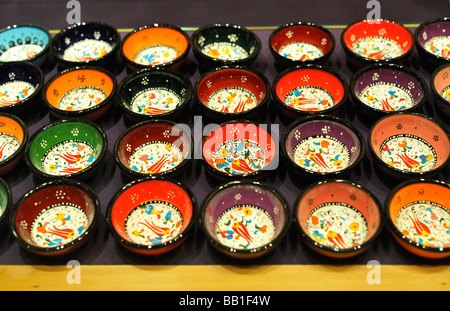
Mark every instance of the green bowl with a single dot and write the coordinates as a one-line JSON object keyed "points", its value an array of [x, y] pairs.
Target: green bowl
{"points": [[66, 149], [5, 202]]}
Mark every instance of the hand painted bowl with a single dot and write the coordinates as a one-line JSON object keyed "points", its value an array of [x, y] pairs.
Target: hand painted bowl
{"points": [[408, 145], [151, 216], [417, 213], [440, 87], [25, 43], [218, 45], [13, 139], [301, 43], [236, 92], [154, 45], [154, 93], [338, 218], [85, 92], [5, 203], [239, 149], [66, 149], [86, 43], [432, 39], [153, 148], [318, 147], [21, 86], [377, 41], [309, 90], [55, 218], [245, 219], [380, 89]]}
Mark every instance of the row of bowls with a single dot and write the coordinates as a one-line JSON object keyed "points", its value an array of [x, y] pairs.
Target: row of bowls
{"points": [[241, 219]]}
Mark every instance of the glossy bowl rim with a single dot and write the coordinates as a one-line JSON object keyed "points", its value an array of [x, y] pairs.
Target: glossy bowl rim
{"points": [[273, 243], [394, 230], [309, 241], [420, 28], [9, 203], [25, 140], [137, 125], [312, 24], [351, 127], [84, 112], [408, 70], [87, 233], [244, 29], [433, 76], [154, 248], [154, 25], [219, 114], [395, 170], [88, 169], [326, 69]]}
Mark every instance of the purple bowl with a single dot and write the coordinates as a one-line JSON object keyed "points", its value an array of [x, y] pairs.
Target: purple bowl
{"points": [[245, 219], [381, 89], [322, 147]]}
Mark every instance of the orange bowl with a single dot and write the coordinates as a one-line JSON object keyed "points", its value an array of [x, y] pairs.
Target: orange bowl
{"points": [[13, 138]]}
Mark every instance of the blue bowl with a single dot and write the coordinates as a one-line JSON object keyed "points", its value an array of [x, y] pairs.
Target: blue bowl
{"points": [[92, 43], [24, 43]]}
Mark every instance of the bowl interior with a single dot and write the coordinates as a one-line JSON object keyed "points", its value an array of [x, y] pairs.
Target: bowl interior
{"points": [[420, 212], [440, 82], [154, 147], [55, 215], [151, 212], [66, 148], [80, 89], [410, 143], [338, 215], [154, 93], [388, 89], [5, 199], [310, 89], [244, 216], [302, 42], [22, 43], [155, 45], [231, 91], [239, 149], [378, 39], [434, 38], [323, 146], [85, 42], [226, 43], [12, 137]]}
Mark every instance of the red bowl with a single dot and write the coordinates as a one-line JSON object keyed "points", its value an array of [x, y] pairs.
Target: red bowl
{"points": [[373, 41], [338, 218], [310, 89], [151, 216], [440, 87], [232, 92], [418, 215]]}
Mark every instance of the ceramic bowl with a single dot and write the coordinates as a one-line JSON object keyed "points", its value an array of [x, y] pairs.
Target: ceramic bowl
{"points": [[239, 149], [153, 148], [55, 218], [154, 93], [218, 45], [381, 89], [161, 45], [66, 149], [245, 219], [309, 90], [319, 147], [92, 43], [417, 214], [25, 43], [440, 87], [408, 145], [432, 39], [21, 86], [151, 216], [377, 41], [85, 92], [338, 218], [13, 139], [5, 203], [301, 43], [236, 92]]}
